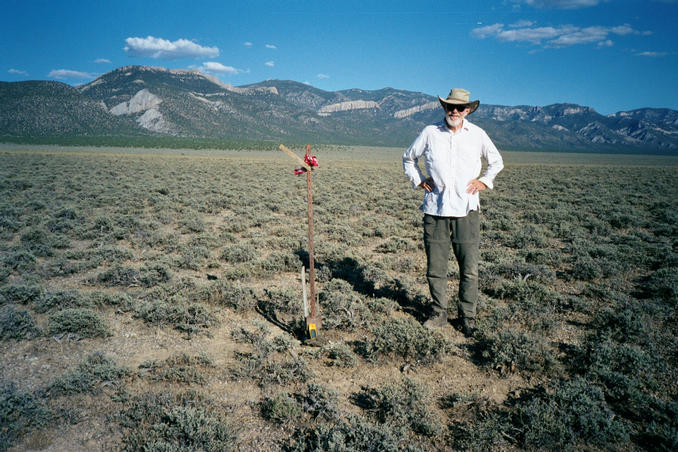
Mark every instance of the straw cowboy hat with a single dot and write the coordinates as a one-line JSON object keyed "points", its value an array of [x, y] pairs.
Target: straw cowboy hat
{"points": [[459, 96]]}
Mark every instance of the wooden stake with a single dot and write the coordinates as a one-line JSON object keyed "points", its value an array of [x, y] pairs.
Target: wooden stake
{"points": [[313, 318], [311, 304]]}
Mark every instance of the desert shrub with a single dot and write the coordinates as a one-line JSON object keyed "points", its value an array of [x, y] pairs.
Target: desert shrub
{"points": [[19, 260], [193, 258], [571, 414], [122, 301], [190, 318], [38, 242], [477, 423], [395, 245], [585, 268], [340, 355], [147, 276], [237, 253], [94, 373], [280, 409], [550, 257], [52, 301], [285, 300], [64, 267], [261, 364], [266, 370], [182, 422], [529, 236], [20, 413], [17, 323], [627, 373], [340, 305], [192, 224], [83, 322], [521, 289], [280, 261], [225, 293], [659, 430], [20, 293], [320, 402], [513, 350], [406, 405], [180, 368], [351, 435], [621, 323], [381, 306], [10, 219], [405, 338], [663, 283]]}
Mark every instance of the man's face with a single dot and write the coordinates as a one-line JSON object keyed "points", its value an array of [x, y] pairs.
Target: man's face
{"points": [[455, 113]]}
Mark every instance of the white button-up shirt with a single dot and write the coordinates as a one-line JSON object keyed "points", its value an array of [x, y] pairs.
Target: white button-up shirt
{"points": [[452, 159]]}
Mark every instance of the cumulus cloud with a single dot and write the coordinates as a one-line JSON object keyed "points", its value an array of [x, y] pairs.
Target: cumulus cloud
{"points": [[522, 23], [322, 76], [103, 60], [247, 44], [17, 72], [559, 4], [271, 46], [651, 54], [270, 63], [151, 47], [212, 67], [561, 36], [63, 74]]}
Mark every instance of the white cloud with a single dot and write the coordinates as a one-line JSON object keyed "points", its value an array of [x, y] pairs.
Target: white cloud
{"points": [[323, 76], [63, 74], [651, 54], [555, 37], [212, 67], [151, 47], [247, 44], [487, 31], [534, 35], [102, 60], [559, 4], [270, 63], [17, 72], [271, 46], [522, 23]]}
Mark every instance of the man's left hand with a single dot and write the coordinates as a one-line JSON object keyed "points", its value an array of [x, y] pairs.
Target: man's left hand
{"points": [[475, 186]]}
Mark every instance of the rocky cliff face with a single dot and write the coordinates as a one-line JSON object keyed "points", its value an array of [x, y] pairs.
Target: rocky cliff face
{"points": [[347, 106]]}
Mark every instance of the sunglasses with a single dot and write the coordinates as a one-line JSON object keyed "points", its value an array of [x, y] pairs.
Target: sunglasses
{"points": [[459, 107]]}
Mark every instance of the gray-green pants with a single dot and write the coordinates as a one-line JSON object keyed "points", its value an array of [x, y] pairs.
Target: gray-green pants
{"points": [[463, 234]]}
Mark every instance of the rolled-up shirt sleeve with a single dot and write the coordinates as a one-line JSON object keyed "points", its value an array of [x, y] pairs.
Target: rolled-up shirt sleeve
{"points": [[494, 161], [411, 157]]}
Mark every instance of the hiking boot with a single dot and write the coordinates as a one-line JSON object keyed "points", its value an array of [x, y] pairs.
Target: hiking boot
{"points": [[468, 327], [436, 320]]}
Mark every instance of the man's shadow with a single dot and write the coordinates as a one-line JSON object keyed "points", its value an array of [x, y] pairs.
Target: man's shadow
{"points": [[355, 274]]}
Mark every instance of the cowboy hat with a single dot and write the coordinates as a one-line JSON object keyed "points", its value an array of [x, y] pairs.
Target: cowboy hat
{"points": [[459, 96]]}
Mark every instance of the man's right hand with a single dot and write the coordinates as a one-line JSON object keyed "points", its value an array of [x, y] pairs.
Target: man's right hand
{"points": [[428, 185]]}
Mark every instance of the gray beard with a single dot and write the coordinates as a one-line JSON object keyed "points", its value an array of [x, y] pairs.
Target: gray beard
{"points": [[453, 123]]}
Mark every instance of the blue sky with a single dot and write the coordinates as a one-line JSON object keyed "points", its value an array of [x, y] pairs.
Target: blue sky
{"points": [[611, 55]]}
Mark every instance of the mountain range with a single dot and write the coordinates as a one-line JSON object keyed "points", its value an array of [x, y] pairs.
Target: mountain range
{"points": [[141, 101]]}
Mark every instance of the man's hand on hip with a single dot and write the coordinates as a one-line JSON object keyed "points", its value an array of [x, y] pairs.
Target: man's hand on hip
{"points": [[428, 185], [475, 186]]}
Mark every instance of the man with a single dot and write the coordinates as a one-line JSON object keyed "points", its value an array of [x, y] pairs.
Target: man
{"points": [[452, 151]]}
